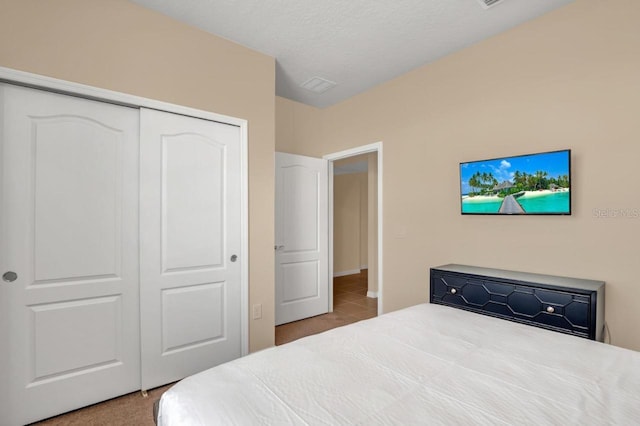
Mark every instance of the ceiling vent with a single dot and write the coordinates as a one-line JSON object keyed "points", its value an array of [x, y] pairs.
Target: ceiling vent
{"points": [[318, 85], [489, 3]]}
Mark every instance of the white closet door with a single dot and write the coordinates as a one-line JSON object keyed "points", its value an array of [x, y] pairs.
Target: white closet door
{"points": [[190, 243], [69, 298]]}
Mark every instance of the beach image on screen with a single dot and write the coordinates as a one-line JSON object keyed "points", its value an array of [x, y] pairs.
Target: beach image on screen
{"points": [[527, 184]]}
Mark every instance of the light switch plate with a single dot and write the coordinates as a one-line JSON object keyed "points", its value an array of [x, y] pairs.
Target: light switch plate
{"points": [[257, 311]]}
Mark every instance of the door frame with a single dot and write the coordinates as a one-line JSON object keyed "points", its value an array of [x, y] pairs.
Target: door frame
{"points": [[364, 149], [21, 78]]}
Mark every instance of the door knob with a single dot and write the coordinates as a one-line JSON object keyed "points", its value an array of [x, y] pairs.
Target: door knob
{"points": [[9, 276], [234, 258]]}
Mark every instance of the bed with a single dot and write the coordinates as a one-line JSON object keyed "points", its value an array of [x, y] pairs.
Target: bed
{"points": [[426, 364]]}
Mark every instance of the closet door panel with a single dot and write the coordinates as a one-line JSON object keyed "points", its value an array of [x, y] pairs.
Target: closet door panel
{"points": [[69, 322], [81, 215], [193, 204], [190, 240]]}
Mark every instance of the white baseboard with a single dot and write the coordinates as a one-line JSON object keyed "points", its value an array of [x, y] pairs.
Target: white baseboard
{"points": [[372, 294], [364, 267], [349, 272]]}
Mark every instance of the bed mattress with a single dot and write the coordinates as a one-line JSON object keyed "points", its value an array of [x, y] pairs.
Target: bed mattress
{"points": [[427, 364]]}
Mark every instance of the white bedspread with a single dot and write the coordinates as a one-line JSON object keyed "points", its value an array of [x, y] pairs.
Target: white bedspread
{"points": [[428, 364]]}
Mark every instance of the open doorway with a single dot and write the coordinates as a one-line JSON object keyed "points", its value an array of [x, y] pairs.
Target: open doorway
{"points": [[354, 236], [355, 240], [289, 331]]}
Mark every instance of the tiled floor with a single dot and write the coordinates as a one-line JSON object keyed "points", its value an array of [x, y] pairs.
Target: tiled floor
{"points": [[350, 304], [350, 296]]}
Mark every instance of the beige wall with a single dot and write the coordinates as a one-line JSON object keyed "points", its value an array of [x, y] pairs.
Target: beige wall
{"points": [[364, 219], [347, 191], [569, 79], [299, 127], [120, 46], [372, 222]]}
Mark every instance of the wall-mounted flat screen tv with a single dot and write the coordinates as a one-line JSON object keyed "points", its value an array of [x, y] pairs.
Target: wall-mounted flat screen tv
{"points": [[534, 184]]}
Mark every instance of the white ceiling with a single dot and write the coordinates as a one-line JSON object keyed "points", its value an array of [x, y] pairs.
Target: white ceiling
{"points": [[357, 44]]}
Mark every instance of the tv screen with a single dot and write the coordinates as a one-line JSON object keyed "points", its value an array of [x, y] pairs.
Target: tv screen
{"points": [[534, 184]]}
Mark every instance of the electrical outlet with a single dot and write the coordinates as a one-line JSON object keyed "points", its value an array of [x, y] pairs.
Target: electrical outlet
{"points": [[257, 311]]}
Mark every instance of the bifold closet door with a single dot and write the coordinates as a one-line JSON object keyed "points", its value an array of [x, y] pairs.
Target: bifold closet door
{"points": [[190, 245], [69, 295]]}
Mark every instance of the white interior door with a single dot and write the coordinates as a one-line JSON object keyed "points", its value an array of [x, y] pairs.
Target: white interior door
{"points": [[190, 243], [302, 237], [69, 306]]}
